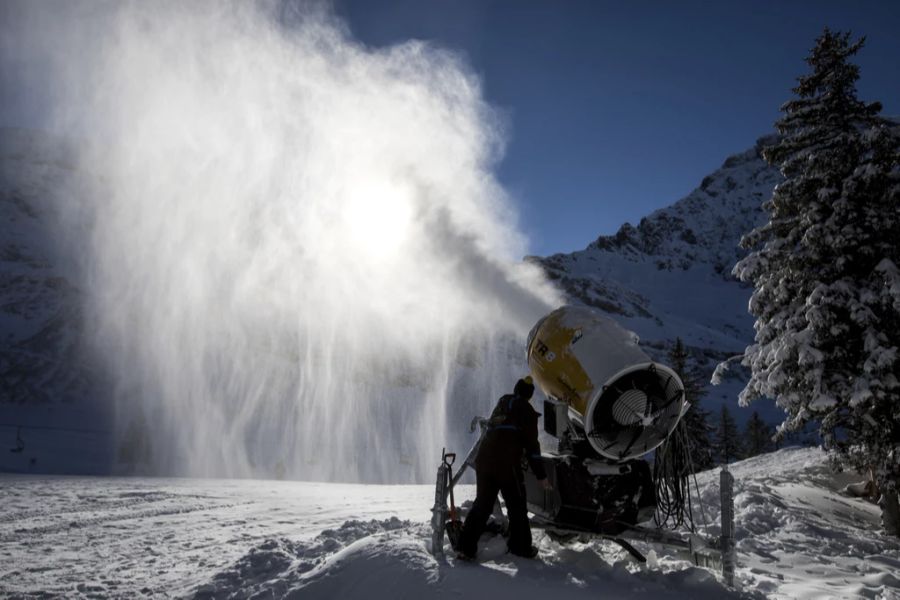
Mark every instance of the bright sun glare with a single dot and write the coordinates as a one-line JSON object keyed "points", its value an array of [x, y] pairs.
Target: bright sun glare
{"points": [[378, 216]]}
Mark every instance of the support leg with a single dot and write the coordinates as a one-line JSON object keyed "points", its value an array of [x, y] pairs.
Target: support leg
{"points": [[439, 512]]}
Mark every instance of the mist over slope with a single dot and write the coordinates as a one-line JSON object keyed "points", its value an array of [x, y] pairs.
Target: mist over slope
{"points": [[670, 276]]}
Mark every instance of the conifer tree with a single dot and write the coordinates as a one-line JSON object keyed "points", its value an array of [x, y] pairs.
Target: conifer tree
{"points": [[696, 420], [758, 436], [825, 270], [727, 444]]}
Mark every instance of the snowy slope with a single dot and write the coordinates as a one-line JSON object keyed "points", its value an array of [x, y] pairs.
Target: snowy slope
{"points": [[670, 275], [797, 537], [46, 377], [40, 303]]}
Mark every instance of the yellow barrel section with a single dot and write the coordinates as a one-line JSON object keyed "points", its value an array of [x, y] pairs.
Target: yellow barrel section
{"points": [[553, 363]]}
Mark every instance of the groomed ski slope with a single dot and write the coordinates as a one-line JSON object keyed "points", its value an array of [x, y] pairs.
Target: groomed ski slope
{"points": [[797, 537]]}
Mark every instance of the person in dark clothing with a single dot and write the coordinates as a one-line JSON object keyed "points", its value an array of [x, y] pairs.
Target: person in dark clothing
{"points": [[512, 434]]}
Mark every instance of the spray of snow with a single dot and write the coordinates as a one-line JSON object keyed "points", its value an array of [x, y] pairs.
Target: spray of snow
{"points": [[300, 258]]}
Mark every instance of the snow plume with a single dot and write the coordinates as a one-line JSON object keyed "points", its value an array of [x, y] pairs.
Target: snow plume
{"points": [[300, 261]]}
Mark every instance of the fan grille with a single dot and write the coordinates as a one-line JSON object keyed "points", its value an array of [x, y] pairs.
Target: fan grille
{"points": [[636, 413], [630, 408]]}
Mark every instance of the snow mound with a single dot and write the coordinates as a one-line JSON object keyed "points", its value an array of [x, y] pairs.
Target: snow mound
{"points": [[391, 559], [276, 564], [798, 536]]}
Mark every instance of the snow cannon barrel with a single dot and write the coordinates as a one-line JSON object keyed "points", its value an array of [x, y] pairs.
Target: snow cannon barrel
{"points": [[623, 402]]}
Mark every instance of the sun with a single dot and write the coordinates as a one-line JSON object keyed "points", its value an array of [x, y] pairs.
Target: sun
{"points": [[378, 215]]}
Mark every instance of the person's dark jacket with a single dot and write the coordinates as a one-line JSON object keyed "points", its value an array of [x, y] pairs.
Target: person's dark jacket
{"points": [[513, 431]]}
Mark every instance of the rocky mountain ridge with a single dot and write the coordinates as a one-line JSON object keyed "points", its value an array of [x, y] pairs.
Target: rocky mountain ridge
{"points": [[670, 275]]}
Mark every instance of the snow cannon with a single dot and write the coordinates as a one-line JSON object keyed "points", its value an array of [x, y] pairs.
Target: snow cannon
{"points": [[608, 404], [601, 387]]}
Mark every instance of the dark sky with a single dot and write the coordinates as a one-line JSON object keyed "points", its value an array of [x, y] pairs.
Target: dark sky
{"points": [[618, 108]]}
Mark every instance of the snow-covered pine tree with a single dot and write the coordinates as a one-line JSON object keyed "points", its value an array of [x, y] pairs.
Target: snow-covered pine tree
{"points": [[727, 443], [758, 436], [696, 420], [825, 270]]}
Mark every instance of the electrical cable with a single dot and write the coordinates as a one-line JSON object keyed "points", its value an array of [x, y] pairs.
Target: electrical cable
{"points": [[672, 469]]}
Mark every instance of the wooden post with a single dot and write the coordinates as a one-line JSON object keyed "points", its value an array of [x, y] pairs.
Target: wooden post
{"points": [[726, 498]]}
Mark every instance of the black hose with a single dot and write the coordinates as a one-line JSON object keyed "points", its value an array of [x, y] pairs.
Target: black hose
{"points": [[672, 468]]}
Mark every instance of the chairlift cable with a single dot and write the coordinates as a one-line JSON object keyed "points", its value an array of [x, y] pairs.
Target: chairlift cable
{"points": [[50, 428]]}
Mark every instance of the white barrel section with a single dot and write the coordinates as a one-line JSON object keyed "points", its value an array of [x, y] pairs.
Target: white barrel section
{"points": [[627, 403]]}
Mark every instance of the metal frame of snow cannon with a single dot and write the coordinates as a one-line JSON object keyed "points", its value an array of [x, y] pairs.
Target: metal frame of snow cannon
{"points": [[440, 512], [712, 553]]}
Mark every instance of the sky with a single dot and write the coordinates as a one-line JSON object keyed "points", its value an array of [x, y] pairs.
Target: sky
{"points": [[611, 109], [615, 109]]}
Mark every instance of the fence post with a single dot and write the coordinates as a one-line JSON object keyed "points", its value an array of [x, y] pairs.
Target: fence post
{"points": [[726, 498]]}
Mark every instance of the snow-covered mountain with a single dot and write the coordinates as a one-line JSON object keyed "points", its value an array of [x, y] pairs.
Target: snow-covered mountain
{"points": [[41, 306], [48, 384], [670, 276]]}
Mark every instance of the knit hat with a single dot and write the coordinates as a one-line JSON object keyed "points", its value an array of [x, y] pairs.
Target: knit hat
{"points": [[524, 388]]}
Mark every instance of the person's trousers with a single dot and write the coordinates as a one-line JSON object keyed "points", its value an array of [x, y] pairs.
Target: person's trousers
{"points": [[507, 480]]}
